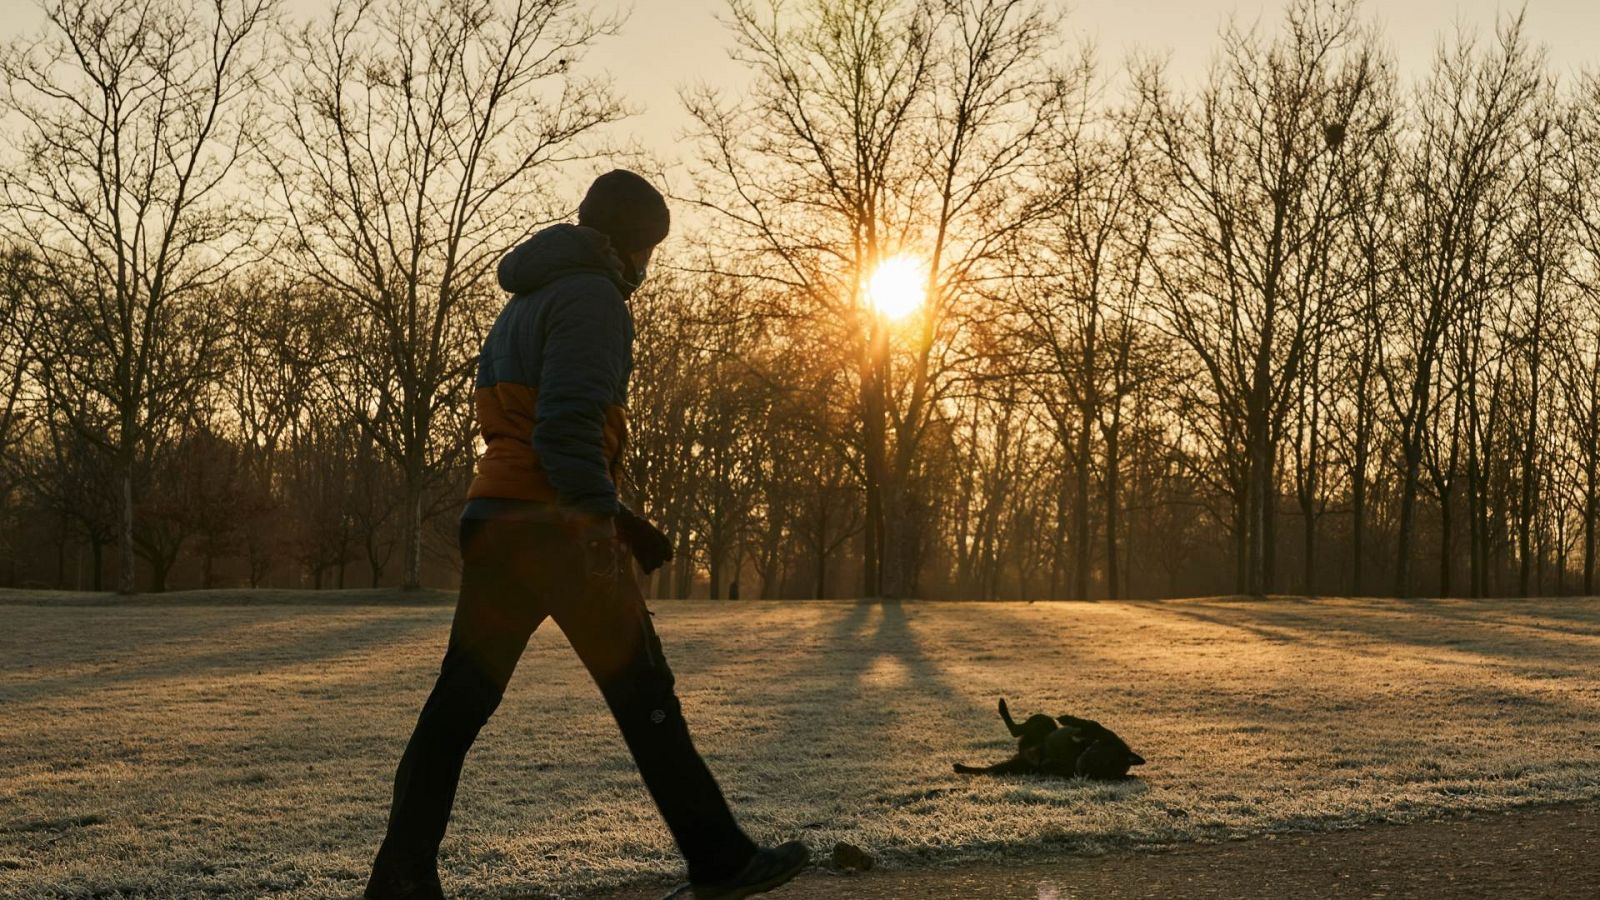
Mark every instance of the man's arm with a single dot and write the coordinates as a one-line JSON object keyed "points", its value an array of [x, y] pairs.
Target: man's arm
{"points": [[585, 358]]}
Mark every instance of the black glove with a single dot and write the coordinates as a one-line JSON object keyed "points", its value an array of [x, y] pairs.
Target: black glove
{"points": [[650, 546]]}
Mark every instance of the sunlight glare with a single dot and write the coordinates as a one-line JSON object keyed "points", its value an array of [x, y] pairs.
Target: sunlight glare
{"points": [[898, 286]]}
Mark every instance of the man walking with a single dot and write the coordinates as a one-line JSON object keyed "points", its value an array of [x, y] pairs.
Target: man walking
{"points": [[544, 535]]}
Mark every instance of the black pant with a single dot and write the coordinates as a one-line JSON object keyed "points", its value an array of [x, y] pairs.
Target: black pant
{"points": [[515, 574]]}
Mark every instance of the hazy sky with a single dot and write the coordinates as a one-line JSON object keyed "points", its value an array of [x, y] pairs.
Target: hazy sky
{"points": [[669, 43]]}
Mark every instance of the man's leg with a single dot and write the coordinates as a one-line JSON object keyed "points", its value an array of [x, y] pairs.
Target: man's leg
{"points": [[495, 615], [610, 628]]}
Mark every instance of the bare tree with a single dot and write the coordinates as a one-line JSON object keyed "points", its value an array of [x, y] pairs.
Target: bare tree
{"points": [[1252, 166], [282, 337], [1151, 331], [19, 324], [420, 140], [874, 129], [1371, 240], [70, 480], [1541, 236], [1466, 136], [1079, 300], [1579, 370], [134, 118]]}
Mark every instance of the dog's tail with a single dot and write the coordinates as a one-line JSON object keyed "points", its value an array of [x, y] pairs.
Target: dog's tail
{"points": [[1011, 725], [971, 770]]}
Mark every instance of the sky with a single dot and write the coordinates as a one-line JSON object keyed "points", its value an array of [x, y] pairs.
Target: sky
{"points": [[667, 44]]}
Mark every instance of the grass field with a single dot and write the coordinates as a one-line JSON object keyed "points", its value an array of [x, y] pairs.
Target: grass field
{"points": [[192, 747]]}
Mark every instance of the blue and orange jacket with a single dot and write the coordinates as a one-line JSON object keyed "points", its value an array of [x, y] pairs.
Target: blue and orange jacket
{"points": [[553, 375]]}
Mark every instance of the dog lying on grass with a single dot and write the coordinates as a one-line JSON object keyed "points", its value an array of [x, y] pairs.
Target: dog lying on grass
{"points": [[1065, 747]]}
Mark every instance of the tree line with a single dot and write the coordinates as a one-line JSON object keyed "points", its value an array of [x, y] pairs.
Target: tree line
{"points": [[1300, 325]]}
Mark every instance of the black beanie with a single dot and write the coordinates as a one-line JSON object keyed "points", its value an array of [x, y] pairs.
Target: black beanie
{"points": [[624, 207]]}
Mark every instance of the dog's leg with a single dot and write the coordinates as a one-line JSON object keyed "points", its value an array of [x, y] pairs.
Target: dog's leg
{"points": [[1016, 765]]}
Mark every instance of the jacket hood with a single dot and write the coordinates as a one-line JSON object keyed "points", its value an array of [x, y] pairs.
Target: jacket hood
{"points": [[556, 252]]}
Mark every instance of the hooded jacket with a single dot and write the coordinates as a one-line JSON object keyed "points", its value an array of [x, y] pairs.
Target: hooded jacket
{"points": [[553, 375]]}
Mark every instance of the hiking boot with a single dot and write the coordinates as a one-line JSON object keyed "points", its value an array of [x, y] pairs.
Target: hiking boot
{"points": [[769, 868], [391, 881]]}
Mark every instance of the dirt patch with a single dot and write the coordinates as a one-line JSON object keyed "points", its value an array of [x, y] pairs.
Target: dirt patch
{"points": [[1525, 855]]}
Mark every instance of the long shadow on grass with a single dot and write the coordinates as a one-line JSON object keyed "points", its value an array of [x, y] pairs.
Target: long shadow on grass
{"points": [[1419, 627], [43, 637], [1250, 704], [1441, 654], [1581, 626], [246, 655], [874, 720], [855, 707]]}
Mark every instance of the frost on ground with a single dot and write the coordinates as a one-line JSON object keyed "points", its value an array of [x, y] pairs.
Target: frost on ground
{"points": [[193, 749]]}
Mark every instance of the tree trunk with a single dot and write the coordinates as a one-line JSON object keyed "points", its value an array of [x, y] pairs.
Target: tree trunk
{"points": [[871, 539], [820, 567], [683, 568], [1408, 504], [1113, 476], [1446, 546], [1560, 556], [714, 554], [897, 556], [412, 579], [1257, 500], [1241, 539], [875, 536], [1591, 463], [160, 568], [1058, 542], [126, 562], [61, 554], [1308, 512], [1541, 556], [1269, 526], [1080, 511], [1475, 542], [1589, 510], [1358, 523], [1363, 446], [99, 551]]}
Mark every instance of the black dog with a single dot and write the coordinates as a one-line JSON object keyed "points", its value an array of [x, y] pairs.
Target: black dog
{"points": [[1066, 747]]}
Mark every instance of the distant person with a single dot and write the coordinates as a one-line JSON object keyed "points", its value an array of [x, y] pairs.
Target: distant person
{"points": [[733, 590], [543, 534]]}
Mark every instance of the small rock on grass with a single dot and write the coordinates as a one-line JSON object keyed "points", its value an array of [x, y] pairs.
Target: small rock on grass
{"points": [[850, 858]]}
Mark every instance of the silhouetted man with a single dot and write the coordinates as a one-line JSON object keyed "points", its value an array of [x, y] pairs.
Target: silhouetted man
{"points": [[543, 535]]}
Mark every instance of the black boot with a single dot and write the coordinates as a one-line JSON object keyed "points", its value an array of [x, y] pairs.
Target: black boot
{"points": [[403, 880], [769, 868]]}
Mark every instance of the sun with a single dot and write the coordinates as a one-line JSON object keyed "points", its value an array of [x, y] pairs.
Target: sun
{"points": [[898, 286]]}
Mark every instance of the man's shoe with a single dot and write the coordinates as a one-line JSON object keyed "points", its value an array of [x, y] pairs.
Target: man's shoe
{"points": [[392, 882], [769, 868]]}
